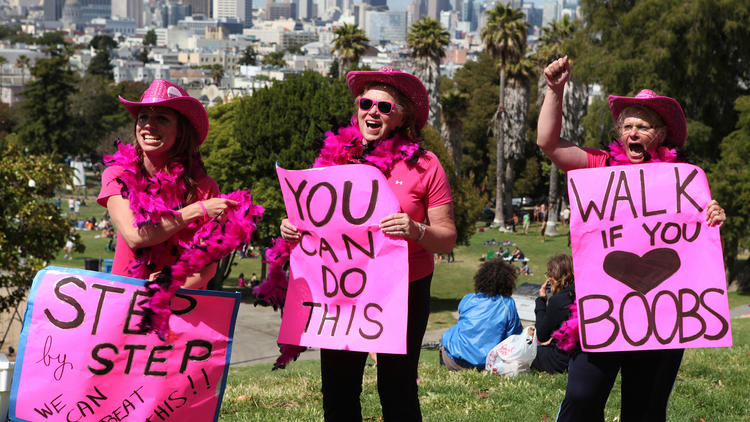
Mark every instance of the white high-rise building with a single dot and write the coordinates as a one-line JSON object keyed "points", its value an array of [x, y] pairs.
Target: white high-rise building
{"points": [[132, 9], [240, 9]]}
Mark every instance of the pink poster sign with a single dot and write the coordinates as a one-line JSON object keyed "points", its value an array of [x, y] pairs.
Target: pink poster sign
{"points": [[649, 272], [82, 357], [348, 282]]}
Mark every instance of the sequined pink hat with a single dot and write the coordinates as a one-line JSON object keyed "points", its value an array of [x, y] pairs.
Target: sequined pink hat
{"points": [[166, 94], [668, 108], [405, 83]]}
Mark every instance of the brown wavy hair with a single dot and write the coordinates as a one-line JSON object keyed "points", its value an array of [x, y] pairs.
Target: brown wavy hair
{"points": [[185, 152], [560, 270]]}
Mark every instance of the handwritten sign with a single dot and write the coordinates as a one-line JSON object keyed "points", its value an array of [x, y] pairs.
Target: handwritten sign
{"points": [[648, 269], [82, 357], [348, 282]]}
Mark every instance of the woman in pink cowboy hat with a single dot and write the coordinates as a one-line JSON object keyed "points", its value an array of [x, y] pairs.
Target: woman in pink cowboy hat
{"points": [[162, 169], [391, 108], [651, 128]]}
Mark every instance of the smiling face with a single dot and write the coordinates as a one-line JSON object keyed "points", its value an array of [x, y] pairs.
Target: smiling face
{"points": [[373, 124], [156, 130], [641, 131]]}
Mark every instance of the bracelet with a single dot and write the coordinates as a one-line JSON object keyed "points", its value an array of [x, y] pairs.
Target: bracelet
{"points": [[203, 207], [422, 229]]}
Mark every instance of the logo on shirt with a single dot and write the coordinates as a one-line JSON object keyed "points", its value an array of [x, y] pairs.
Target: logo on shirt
{"points": [[399, 182]]}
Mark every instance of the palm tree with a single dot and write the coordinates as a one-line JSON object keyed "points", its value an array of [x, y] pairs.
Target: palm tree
{"points": [[217, 73], [427, 40], [552, 44], [504, 37], [517, 110], [23, 62], [454, 104], [350, 44]]}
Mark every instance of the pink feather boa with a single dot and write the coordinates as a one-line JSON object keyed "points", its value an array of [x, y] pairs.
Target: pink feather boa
{"points": [[341, 147], [567, 335], [198, 245]]}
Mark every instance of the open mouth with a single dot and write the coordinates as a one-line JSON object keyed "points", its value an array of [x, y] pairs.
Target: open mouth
{"points": [[373, 125], [636, 149]]}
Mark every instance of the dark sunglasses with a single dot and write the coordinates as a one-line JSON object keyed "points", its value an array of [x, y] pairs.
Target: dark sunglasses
{"points": [[385, 107]]}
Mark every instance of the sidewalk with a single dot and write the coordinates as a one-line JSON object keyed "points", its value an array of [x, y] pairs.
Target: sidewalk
{"points": [[256, 332]]}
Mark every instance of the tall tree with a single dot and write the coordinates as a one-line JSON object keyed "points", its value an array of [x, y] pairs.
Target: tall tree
{"points": [[23, 62], [217, 73], [349, 44], [249, 56], [514, 126], [504, 38], [275, 58], [557, 41], [427, 40], [692, 50], [730, 185], [454, 104], [149, 39], [47, 126]]}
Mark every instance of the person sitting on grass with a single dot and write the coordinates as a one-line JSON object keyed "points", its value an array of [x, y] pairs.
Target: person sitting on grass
{"points": [[552, 309], [486, 317], [517, 255]]}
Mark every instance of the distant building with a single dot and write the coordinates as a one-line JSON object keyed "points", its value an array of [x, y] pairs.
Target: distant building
{"points": [[199, 7], [305, 9], [53, 9], [277, 10], [240, 9], [386, 26], [132, 9], [416, 9], [434, 7]]}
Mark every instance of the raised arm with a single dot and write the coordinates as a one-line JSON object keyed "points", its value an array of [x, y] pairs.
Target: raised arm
{"points": [[565, 154]]}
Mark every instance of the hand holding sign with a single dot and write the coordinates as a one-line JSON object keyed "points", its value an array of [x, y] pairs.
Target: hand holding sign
{"points": [[649, 269]]}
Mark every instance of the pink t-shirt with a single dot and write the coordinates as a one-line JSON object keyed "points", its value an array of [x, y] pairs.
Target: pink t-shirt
{"points": [[206, 188], [596, 157], [418, 188]]}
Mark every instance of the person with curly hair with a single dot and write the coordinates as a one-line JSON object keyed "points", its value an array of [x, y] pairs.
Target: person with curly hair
{"points": [[485, 318], [550, 314]]}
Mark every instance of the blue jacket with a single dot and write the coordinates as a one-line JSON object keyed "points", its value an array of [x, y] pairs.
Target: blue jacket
{"points": [[483, 322]]}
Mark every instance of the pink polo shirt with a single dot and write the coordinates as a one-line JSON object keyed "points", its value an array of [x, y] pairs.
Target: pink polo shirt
{"points": [[206, 188], [419, 187]]}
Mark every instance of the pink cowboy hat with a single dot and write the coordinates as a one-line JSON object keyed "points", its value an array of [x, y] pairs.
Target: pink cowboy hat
{"points": [[166, 94], [669, 110], [405, 83]]}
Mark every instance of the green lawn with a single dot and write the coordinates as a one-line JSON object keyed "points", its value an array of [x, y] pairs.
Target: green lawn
{"points": [[712, 383]]}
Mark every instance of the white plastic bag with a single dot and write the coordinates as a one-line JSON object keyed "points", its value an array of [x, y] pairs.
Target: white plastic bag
{"points": [[514, 354]]}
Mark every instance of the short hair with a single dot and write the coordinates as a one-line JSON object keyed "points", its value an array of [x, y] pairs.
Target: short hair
{"points": [[495, 277], [560, 270]]}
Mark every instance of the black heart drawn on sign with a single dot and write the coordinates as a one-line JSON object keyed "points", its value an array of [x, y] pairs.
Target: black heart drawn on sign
{"points": [[642, 273]]}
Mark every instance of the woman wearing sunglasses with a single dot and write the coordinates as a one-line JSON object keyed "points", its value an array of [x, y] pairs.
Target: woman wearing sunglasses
{"points": [[391, 108]]}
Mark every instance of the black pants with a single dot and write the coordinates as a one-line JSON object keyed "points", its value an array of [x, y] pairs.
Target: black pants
{"points": [[647, 380], [341, 370]]}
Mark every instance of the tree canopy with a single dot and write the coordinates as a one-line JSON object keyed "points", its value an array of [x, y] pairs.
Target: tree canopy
{"points": [[32, 229]]}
